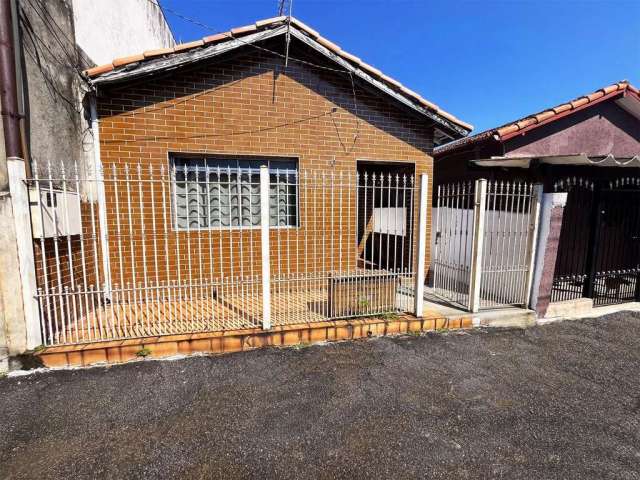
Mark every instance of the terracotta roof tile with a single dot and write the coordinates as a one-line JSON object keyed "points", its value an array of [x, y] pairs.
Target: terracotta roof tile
{"points": [[157, 52], [350, 57], [330, 45], [377, 72], [427, 103], [118, 62], [270, 21], [188, 46], [526, 122], [305, 27], [562, 108], [595, 95], [100, 69], [541, 117], [578, 102], [532, 121], [217, 37], [245, 29], [508, 129], [390, 80], [273, 22]]}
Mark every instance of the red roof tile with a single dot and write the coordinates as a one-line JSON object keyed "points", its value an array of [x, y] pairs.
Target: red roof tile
{"points": [[270, 23], [533, 121], [188, 46]]}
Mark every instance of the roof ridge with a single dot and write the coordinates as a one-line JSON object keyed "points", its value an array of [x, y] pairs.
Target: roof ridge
{"points": [[239, 32]]}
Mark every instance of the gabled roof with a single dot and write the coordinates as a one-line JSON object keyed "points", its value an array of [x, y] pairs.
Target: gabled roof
{"points": [[544, 117], [168, 58]]}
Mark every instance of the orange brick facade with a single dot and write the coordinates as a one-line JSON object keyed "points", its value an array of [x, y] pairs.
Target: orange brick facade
{"points": [[249, 105]]}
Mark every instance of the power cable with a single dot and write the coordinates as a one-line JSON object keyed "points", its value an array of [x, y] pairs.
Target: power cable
{"points": [[284, 56]]}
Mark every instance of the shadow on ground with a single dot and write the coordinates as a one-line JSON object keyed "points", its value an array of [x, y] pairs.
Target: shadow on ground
{"points": [[558, 401]]}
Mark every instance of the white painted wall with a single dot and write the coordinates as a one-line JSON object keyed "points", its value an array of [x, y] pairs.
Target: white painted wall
{"points": [[108, 29]]}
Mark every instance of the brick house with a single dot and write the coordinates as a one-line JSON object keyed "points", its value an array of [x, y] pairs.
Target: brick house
{"points": [[183, 135], [586, 155]]}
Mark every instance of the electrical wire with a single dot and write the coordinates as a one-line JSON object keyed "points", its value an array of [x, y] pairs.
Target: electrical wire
{"points": [[305, 62], [231, 37], [219, 135], [50, 22]]}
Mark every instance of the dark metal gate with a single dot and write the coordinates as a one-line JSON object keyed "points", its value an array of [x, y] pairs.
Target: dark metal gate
{"points": [[599, 248]]}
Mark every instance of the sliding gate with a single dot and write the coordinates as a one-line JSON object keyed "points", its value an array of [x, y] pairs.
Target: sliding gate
{"points": [[484, 243]]}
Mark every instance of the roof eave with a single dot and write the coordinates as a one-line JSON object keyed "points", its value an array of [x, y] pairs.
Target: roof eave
{"points": [[561, 115], [457, 130], [443, 120]]}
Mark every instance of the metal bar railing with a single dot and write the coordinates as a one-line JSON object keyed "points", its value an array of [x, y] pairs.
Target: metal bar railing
{"points": [[138, 251]]}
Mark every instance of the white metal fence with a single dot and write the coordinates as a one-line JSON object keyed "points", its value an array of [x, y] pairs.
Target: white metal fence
{"points": [[140, 251], [484, 243]]}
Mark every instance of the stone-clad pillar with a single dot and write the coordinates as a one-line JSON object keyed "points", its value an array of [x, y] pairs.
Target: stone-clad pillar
{"points": [[552, 210]]}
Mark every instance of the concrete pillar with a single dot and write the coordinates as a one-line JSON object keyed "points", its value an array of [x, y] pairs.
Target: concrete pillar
{"points": [[552, 211], [5, 206]]}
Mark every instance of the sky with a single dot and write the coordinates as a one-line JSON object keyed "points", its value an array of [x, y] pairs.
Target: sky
{"points": [[486, 62]]}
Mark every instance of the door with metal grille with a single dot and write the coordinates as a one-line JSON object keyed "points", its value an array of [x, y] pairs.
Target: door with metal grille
{"points": [[616, 262], [599, 249], [510, 219], [570, 278]]}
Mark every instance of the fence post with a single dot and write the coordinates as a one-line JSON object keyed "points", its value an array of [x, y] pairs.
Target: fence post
{"points": [[24, 245], [534, 222], [264, 241], [478, 244], [100, 196], [422, 246]]}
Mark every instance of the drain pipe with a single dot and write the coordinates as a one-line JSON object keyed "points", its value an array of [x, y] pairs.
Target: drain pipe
{"points": [[8, 84]]}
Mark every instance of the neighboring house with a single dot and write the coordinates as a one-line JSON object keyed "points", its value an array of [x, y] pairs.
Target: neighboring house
{"points": [[105, 30], [178, 241], [586, 154], [52, 42]]}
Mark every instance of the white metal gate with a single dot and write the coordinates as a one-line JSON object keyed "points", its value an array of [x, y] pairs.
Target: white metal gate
{"points": [[135, 251], [485, 235]]}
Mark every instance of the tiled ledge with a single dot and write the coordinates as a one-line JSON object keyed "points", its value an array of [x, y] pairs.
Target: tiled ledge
{"points": [[119, 351]]}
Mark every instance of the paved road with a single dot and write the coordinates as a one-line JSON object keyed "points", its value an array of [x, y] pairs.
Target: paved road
{"points": [[559, 401]]}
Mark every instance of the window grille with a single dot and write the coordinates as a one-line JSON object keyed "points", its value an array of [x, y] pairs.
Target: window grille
{"points": [[215, 192]]}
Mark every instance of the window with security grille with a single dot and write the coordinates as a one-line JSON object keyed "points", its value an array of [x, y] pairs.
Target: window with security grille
{"points": [[224, 192]]}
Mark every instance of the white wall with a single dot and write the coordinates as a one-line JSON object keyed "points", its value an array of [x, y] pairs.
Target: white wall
{"points": [[108, 29]]}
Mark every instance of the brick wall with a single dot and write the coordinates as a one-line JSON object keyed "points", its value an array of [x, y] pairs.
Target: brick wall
{"points": [[246, 106]]}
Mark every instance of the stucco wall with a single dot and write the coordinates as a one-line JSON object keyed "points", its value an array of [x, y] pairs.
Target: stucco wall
{"points": [[598, 131], [55, 128], [115, 28]]}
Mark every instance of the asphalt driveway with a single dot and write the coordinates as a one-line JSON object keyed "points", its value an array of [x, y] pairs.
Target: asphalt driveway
{"points": [[558, 401]]}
